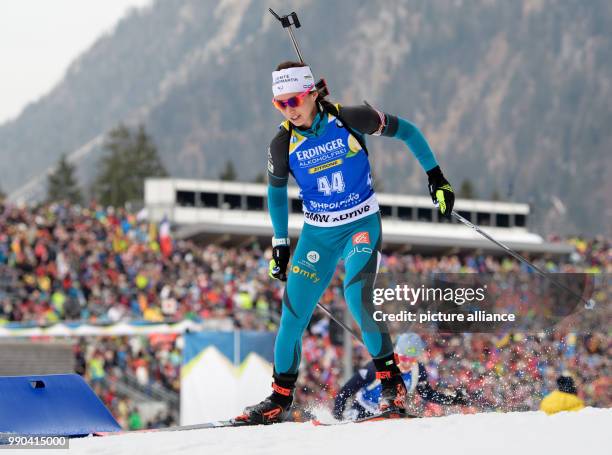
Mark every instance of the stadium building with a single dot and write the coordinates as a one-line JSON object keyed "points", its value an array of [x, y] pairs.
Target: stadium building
{"points": [[236, 213]]}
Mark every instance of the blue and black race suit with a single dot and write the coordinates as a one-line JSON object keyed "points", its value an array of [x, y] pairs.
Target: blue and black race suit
{"points": [[366, 390]]}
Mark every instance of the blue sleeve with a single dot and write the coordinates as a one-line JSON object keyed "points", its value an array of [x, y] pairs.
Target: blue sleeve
{"points": [[360, 379], [416, 142], [278, 206], [426, 392]]}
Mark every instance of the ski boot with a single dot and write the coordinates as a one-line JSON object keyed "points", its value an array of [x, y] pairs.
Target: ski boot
{"points": [[393, 397], [275, 408]]}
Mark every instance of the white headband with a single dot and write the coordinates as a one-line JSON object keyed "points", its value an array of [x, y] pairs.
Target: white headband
{"points": [[292, 80]]}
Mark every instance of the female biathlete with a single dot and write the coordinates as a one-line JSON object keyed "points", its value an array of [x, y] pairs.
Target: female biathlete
{"points": [[322, 145]]}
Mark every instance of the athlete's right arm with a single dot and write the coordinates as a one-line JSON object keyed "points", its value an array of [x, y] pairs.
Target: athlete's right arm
{"points": [[426, 392], [278, 204], [278, 175]]}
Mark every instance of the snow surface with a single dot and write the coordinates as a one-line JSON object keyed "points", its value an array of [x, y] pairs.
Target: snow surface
{"points": [[587, 431]]}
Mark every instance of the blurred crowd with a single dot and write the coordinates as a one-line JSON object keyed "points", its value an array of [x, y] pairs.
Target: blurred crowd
{"points": [[96, 264], [103, 265], [62, 262], [138, 362]]}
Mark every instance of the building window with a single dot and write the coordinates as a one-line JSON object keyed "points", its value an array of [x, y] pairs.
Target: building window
{"points": [[386, 210], [185, 198], [425, 215], [520, 220], [209, 200], [502, 220], [255, 202], [483, 218], [296, 206], [466, 215], [404, 213], [232, 201]]}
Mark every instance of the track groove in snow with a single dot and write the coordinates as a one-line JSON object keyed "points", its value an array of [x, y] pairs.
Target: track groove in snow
{"points": [[513, 433]]}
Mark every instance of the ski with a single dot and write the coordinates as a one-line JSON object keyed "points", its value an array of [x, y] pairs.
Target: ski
{"points": [[197, 426], [232, 423], [389, 415]]}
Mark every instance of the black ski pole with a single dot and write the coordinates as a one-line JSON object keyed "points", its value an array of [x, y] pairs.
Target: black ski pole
{"points": [[588, 304], [340, 323]]}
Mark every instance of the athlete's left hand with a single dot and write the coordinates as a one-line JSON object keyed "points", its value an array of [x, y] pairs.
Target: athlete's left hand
{"points": [[441, 191]]}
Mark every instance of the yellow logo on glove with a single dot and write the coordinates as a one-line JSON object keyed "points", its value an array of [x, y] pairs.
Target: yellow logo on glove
{"points": [[440, 197]]}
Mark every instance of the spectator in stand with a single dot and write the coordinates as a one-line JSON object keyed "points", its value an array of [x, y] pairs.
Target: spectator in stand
{"points": [[135, 420], [563, 399]]}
